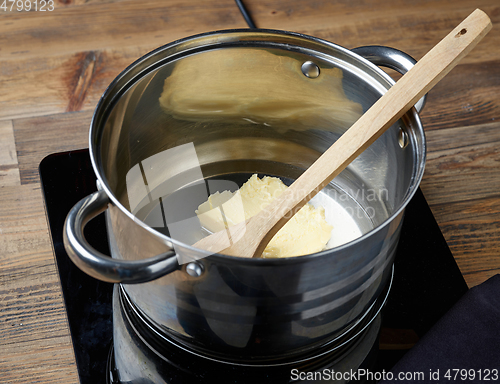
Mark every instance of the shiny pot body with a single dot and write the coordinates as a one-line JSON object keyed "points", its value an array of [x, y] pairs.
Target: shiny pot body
{"points": [[139, 355], [220, 107]]}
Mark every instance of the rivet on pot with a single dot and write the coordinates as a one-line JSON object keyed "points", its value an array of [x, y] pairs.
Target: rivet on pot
{"points": [[195, 269], [402, 138], [310, 69]]}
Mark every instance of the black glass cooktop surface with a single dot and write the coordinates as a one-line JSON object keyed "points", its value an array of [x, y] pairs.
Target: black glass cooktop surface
{"points": [[426, 284]]}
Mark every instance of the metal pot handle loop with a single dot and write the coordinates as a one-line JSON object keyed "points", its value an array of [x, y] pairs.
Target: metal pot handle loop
{"points": [[104, 267], [390, 58]]}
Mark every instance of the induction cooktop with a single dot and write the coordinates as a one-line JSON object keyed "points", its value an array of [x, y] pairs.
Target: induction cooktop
{"points": [[427, 281]]}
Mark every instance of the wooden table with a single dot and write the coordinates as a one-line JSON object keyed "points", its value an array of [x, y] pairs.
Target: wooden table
{"points": [[55, 64]]}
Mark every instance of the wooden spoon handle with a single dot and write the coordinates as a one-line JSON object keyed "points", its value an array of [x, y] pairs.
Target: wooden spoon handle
{"points": [[370, 126], [260, 229]]}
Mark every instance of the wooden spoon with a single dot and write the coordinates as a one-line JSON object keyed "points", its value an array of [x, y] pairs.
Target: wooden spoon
{"points": [[249, 238]]}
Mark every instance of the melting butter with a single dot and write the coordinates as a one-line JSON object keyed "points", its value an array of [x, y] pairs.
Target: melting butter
{"points": [[305, 233]]}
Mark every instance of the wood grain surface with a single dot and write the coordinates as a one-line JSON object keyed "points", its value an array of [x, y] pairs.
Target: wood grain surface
{"points": [[55, 65]]}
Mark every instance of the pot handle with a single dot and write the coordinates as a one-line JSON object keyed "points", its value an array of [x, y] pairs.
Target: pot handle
{"points": [[391, 58], [104, 267]]}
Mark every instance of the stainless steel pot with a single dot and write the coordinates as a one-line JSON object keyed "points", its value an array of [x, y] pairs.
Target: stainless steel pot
{"points": [[142, 153]]}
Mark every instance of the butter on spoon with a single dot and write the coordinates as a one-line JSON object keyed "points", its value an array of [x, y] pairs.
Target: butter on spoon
{"points": [[249, 238], [307, 232]]}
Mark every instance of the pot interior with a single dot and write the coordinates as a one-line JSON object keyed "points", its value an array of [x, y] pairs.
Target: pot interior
{"points": [[204, 114]]}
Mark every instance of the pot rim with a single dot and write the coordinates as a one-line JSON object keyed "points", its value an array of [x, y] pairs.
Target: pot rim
{"points": [[121, 83]]}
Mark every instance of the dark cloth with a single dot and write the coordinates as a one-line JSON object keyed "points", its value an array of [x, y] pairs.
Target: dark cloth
{"points": [[465, 339]]}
